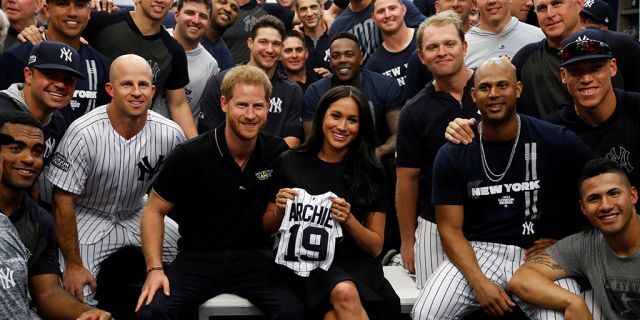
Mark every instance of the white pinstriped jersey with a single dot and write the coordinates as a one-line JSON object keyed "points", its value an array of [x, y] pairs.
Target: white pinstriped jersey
{"points": [[110, 174], [308, 233]]}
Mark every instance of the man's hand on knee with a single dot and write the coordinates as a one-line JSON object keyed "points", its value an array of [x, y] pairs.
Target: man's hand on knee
{"points": [[75, 277], [493, 299], [408, 256], [156, 279], [95, 314]]}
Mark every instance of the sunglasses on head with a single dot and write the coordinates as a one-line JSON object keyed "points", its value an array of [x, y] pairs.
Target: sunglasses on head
{"points": [[582, 48]]}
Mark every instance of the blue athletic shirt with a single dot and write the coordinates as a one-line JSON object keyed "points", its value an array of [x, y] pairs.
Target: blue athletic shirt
{"points": [[421, 134], [220, 52], [537, 198], [392, 64], [417, 76]]}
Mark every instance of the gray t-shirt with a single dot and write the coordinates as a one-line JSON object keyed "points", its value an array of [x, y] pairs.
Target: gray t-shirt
{"points": [[14, 303], [202, 66], [615, 280], [484, 45]]}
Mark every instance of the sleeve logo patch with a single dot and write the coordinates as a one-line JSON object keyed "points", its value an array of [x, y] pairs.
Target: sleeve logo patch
{"points": [[264, 175], [60, 161]]}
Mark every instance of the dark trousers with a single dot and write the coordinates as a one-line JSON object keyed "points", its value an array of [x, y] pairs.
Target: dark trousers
{"points": [[195, 277]]}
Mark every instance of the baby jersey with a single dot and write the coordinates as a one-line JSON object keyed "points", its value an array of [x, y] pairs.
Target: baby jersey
{"points": [[308, 233]]}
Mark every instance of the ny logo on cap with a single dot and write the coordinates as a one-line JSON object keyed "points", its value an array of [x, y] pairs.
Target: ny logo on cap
{"points": [[589, 3], [65, 54], [582, 38]]}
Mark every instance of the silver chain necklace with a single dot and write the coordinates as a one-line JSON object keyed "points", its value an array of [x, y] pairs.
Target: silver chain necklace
{"points": [[485, 166]]}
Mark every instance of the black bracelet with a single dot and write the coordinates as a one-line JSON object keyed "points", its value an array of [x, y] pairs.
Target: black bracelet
{"points": [[155, 268]]}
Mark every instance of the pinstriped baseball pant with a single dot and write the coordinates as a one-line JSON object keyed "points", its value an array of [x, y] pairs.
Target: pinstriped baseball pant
{"points": [[448, 295], [124, 233]]}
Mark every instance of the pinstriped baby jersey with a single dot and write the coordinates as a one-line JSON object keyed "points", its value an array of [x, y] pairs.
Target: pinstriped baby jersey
{"points": [[308, 233]]}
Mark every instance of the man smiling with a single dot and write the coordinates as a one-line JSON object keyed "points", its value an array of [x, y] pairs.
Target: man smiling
{"points": [[50, 81], [223, 15], [192, 22], [398, 41], [140, 32], [22, 162], [607, 255], [265, 46], [498, 200], [220, 245], [315, 30], [605, 118], [21, 14], [67, 20], [294, 60], [101, 170]]}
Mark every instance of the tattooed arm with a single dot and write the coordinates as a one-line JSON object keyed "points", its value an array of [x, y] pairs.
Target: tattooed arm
{"points": [[533, 283]]}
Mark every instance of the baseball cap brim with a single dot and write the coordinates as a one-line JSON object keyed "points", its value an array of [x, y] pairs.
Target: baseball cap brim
{"points": [[585, 58], [47, 66], [6, 139]]}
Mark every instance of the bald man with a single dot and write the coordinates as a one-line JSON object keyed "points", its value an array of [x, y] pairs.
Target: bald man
{"points": [[101, 171], [499, 200]]}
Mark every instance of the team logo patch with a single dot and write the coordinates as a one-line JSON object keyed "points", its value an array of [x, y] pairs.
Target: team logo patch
{"points": [[527, 228], [65, 54], [582, 38], [61, 162], [146, 169], [32, 59], [620, 155], [264, 174], [155, 69], [275, 105]]}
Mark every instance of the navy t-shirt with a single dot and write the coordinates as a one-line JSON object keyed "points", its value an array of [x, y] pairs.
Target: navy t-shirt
{"points": [[318, 52], [392, 64], [421, 128], [417, 76], [38, 234], [285, 107], [89, 93], [220, 52], [618, 138], [536, 198], [383, 94], [363, 27]]}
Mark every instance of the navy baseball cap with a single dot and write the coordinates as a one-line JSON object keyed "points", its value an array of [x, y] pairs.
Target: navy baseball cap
{"points": [[597, 10], [586, 44], [6, 139], [50, 55]]}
